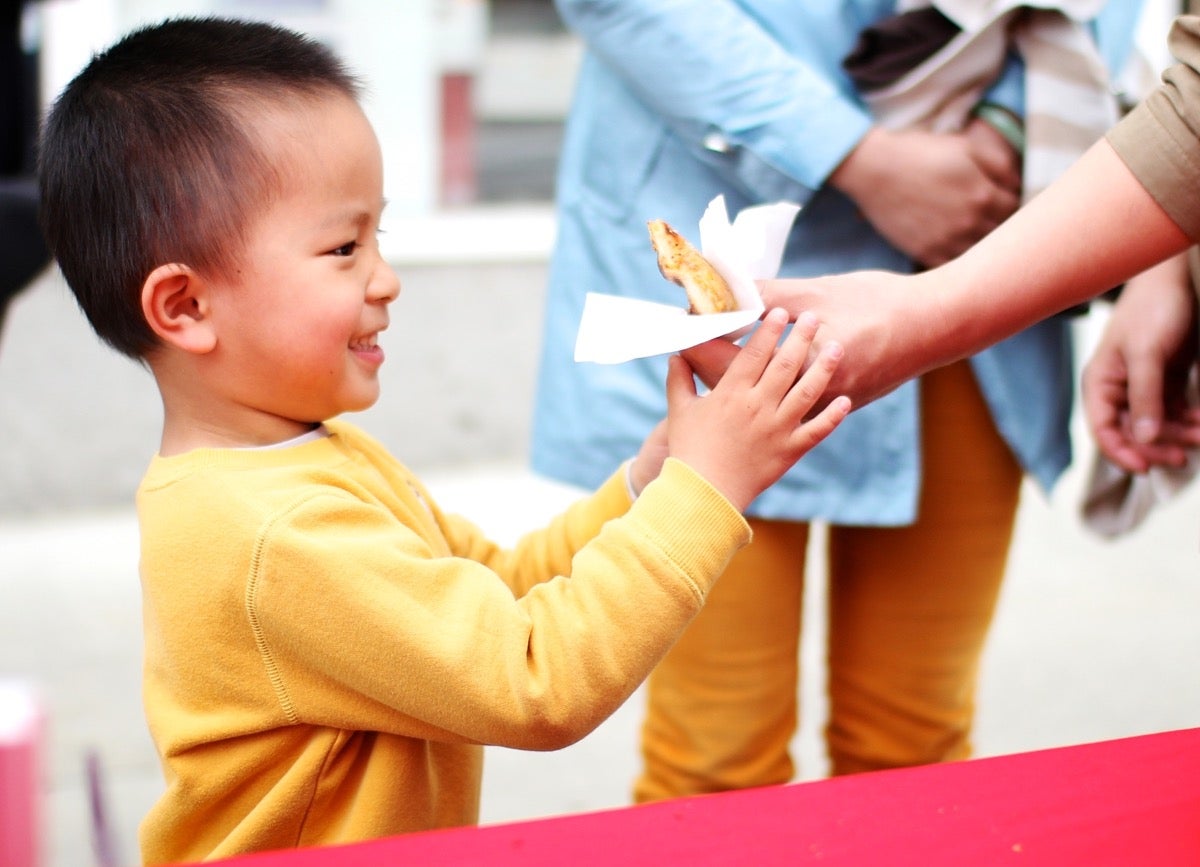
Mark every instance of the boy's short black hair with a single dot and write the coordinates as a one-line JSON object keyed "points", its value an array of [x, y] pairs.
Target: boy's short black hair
{"points": [[149, 157]]}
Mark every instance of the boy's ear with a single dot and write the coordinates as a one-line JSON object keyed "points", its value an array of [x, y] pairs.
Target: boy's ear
{"points": [[175, 302]]}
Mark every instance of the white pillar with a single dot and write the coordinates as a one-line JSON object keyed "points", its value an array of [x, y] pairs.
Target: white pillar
{"points": [[393, 48]]}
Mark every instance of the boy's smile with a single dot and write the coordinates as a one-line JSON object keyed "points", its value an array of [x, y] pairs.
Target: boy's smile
{"points": [[297, 321]]}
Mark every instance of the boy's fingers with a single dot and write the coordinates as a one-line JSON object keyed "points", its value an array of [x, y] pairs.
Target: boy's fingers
{"points": [[806, 326], [813, 431], [789, 359], [810, 387], [681, 385], [750, 363]]}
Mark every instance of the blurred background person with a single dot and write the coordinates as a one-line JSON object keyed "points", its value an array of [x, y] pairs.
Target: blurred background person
{"points": [[676, 103]]}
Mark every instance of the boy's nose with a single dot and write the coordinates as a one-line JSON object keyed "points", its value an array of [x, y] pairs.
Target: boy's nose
{"points": [[384, 285]]}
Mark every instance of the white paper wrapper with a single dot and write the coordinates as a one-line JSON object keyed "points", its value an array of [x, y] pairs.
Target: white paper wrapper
{"points": [[614, 329]]}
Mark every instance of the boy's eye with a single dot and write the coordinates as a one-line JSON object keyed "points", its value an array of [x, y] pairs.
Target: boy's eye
{"points": [[345, 250]]}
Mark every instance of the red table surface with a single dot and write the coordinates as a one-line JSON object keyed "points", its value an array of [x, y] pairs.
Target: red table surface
{"points": [[1129, 802]]}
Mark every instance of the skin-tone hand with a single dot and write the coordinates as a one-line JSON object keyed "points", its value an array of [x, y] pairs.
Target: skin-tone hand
{"points": [[878, 319], [932, 195], [867, 307], [994, 155], [745, 433], [1068, 245], [1134, 384], [650, 457]]}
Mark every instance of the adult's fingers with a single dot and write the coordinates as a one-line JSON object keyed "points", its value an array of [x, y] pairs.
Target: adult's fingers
{"points": [[1146, 406], [994, 154], [813, 431], [710, 360], [810, 388]]}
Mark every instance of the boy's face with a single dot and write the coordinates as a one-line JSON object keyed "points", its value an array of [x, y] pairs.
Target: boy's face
{"points": [[297, 320]]}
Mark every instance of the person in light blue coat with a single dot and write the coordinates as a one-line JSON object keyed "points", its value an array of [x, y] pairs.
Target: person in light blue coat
{"points": [[678, 101]]}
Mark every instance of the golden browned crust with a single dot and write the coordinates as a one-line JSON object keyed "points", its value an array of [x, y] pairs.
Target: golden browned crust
{"points": [[681, 263]]}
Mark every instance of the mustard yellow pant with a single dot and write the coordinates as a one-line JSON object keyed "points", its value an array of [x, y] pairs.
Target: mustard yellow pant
{"points": [[909, 610]]}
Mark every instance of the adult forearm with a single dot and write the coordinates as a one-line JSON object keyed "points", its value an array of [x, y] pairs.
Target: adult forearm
{"points": [[1094, 228], [1089, 231]]}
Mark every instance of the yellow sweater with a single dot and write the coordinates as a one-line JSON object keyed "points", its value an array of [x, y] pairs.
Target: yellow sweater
{"points": [[325, 650]]}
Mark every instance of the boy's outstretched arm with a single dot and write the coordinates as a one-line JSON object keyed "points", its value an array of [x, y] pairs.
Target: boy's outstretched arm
{"points": [[751, 427]]}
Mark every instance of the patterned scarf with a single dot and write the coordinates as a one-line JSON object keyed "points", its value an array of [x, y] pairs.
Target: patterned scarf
{"points": [[960, 46]]}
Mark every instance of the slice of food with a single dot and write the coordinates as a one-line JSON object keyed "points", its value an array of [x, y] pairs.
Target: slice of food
{"points": [[681, 263]]}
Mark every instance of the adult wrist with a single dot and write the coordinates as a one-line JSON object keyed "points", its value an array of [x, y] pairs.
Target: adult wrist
{"points": [[855, 171]]}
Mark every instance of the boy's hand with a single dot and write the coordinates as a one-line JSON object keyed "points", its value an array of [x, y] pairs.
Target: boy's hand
{"points": [[650, 457], [750, 428]]}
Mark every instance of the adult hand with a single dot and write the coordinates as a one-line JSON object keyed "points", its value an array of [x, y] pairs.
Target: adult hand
{"points": [[895, 327], [931, 195], [889, 326], [885, 323], [994, 155], [1135, 383], [710, 360]]}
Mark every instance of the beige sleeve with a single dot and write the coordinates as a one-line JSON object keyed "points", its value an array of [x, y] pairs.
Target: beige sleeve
{"points": [[1160, 139]]}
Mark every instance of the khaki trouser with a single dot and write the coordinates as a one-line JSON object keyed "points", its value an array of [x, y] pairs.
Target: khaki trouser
{"points": [[909, 609]]}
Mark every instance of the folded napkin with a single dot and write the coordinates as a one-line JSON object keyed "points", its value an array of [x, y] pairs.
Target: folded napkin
{"points": [[614, 329]]}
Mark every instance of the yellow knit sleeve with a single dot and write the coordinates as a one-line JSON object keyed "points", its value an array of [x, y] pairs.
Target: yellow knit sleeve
{"points": [[544, 552], [364, 626]]}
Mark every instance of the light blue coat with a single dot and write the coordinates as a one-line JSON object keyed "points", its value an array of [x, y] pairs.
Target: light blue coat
{"points": [[679, 100]]}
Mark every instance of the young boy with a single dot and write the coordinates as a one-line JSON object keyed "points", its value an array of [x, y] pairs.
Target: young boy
{"points": [[325, 649]]}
